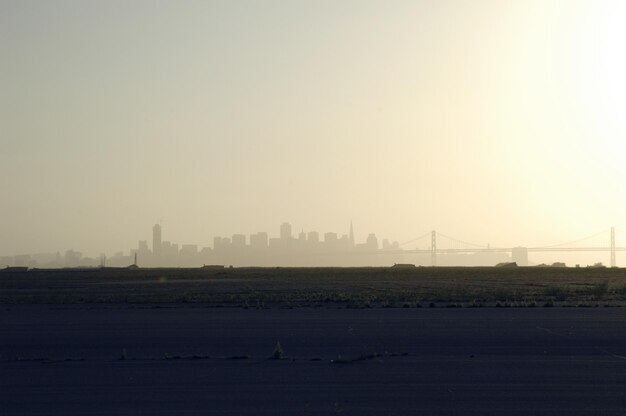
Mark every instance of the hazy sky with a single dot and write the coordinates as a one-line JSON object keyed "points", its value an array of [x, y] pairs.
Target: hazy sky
{"points": [[497, 122]]}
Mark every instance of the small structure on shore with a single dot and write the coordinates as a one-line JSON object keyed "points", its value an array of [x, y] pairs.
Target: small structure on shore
{"points": [[212, 267], [403, 266], [14, 269], [555, 264], [507, 264]]}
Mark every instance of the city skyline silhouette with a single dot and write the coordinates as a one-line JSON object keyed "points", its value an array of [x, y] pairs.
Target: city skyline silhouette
{"points": [[312, 248]]}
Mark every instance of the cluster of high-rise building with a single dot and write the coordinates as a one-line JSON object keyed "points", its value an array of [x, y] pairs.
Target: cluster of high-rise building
{"points": [[71, 258], [259, 249]]}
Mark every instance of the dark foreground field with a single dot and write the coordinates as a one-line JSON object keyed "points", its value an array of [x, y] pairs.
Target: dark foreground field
{"points": [[360, 341], [143, 360], [321, 287]]}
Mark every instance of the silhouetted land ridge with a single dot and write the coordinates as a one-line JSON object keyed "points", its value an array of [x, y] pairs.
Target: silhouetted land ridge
{"points": [[321, 287]]}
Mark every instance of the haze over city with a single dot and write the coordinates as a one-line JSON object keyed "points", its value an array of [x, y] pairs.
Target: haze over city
{"points": [[312, 207], [499, 123]]}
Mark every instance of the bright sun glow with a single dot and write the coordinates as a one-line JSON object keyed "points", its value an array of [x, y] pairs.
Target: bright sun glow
{"points": [[603, 69]]}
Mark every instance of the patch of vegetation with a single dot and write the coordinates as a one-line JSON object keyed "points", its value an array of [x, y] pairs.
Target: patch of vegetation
{"points": [[278, 353], [366, 356], [370, 287], [620, 292], [599, 290], [186, 357], [555, 293]]}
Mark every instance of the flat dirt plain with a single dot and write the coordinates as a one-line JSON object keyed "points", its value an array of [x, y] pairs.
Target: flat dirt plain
{"points": [[353, 342], [321, 287]]}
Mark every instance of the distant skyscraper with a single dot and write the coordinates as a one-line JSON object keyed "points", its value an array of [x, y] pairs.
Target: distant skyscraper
{"points": [[258, 241], [330, 237], [190, 249], [351, 235], [143, 245], [221, 243], [313, 237], [285, 231], [330, 241], [143, 252], [156, 241], [239, 240], [372, 242]]}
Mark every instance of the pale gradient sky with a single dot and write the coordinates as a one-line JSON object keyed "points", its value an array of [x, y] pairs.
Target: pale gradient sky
{"points": [[496, 121]]}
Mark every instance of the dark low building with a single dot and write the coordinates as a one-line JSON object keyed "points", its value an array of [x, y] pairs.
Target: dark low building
{"points": [[403, 266], [19, 269]]}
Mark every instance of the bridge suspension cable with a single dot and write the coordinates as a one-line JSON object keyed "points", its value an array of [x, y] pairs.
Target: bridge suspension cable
{"points": [[461, 241], [415, 239], [575, 241]]}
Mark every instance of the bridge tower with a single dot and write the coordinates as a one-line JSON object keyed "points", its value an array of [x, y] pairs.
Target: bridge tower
{"points": [[613, 262], [433, 248]]}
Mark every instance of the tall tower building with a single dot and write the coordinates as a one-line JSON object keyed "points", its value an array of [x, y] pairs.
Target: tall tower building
{"points": [[156, 241], [351, 235], [372, 242], [285, 231]]}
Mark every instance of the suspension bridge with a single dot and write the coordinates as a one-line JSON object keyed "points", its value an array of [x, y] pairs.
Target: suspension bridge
{"points": [[518, 254]]}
